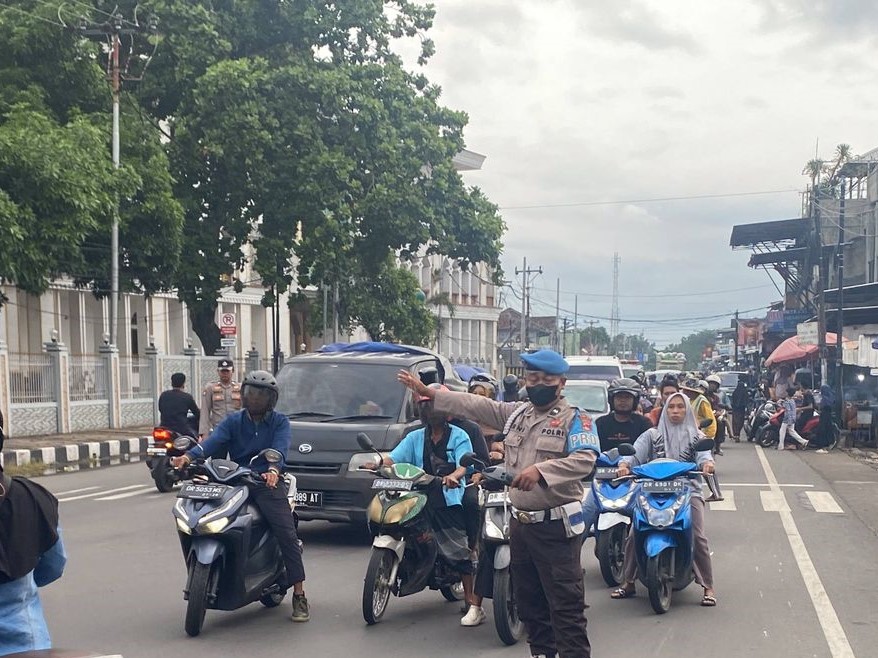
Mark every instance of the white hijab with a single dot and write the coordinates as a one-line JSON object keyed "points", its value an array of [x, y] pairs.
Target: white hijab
{"points": [[679, 438]]}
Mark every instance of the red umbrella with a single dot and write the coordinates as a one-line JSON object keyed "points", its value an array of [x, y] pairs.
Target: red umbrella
{"points": [[791, 350]]}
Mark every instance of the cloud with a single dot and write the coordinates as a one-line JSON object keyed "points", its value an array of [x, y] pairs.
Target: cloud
{"points": [[660, 91], [830, 22], [632, 21]]}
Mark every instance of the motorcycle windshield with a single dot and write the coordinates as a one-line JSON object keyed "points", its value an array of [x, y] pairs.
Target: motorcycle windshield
{"points": [[663, 470]]}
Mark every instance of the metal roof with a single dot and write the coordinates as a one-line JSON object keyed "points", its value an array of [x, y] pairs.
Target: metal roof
{"points": [[865, 294], [748, 235]]}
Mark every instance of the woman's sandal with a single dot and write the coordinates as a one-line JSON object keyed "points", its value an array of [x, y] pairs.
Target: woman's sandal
{"points": [[708, 601], [622, 593]]}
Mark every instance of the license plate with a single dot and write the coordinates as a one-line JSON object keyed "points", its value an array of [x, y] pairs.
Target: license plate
{"points": [[385, 483], [309, 499], [662, 486], [202, 491], [158, 452], [497, 498], [605, 473]]}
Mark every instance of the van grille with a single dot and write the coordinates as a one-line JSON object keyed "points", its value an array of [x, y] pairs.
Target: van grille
{"points": [[319, 468], [342, 499]]}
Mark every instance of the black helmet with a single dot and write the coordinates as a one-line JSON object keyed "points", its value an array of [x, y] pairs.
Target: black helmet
{"points": [[510, 383], [624, 385], [261, 379], [485, 381]]}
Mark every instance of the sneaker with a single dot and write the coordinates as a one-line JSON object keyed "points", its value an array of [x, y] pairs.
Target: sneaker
{"points": [[822, 451], [301, 610], [474, 616], [719, 451]]}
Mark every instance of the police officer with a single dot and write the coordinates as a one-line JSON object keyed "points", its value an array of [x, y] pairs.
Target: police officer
{"points": [[219, 398], [550, 447]]}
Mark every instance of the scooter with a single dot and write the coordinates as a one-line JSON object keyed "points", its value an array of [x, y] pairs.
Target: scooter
{"points": [[158, 458], [769, 434], [663, 536], [758, 417], [495, 533], [408, 553], [614, 522], [232, 556]]}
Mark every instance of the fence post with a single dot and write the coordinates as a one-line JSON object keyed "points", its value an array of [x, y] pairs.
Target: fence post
{"points": [[194, 372], [110, 354], [253, 362], [5, 389], [61, 379], [152, 355]]}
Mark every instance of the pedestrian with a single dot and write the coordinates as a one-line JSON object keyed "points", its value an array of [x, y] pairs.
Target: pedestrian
{"points": [[31, 556], [175, 405], [674, 438], [788, 423], [550, 447], [740, 398], [806, 406], [824, 435], [219, 398]]}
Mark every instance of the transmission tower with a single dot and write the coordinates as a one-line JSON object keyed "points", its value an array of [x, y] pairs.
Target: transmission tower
{"points": [[614, 312]]}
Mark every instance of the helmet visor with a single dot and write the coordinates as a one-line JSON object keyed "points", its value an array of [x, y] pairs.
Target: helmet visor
{"points": [[258, 400]]}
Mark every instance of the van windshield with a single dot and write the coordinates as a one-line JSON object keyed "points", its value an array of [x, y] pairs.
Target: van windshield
{"points": [[606, 373], [334, 390]]}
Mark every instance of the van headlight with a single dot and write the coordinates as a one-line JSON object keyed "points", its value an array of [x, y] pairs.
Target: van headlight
{"points": [[361, 459]]}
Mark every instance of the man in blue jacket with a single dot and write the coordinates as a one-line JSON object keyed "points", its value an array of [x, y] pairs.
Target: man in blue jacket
{"points": [[243, 435]]}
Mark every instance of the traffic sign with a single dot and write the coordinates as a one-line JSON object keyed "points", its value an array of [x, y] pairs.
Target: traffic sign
{"points": [[228, 324], [228, 342]]}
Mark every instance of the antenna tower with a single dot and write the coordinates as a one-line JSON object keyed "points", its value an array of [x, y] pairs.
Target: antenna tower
{"points": [[614, 312]]}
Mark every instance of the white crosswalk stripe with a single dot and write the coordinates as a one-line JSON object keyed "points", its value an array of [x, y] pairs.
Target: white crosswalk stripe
{"points": [[822, 501], [129, 494], [101, 493]]}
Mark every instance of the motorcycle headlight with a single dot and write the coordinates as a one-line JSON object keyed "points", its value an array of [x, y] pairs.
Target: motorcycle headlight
{"points": [[222, 509], [180, 510], [183, 527], [616, 504], [212, 527], [660, 518], [494, 525], [400, 510]]}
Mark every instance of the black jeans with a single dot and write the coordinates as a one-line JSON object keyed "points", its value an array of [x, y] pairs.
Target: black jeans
{"points": [[275, 508], [547, 580]]}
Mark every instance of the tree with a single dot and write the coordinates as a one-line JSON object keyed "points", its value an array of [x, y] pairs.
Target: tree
{"points": [[595, 340], [693, 346]]}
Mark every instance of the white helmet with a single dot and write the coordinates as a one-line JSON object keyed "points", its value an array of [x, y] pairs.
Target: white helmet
{"points": [[715, 379]]}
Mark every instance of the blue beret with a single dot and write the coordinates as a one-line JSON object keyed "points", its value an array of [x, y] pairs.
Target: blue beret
{"points": [[549, 361]]}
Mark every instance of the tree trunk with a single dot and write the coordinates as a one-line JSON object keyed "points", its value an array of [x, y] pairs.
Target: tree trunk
{"points": [[203, 320]]}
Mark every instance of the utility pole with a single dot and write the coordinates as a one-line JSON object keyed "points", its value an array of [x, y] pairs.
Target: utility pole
{"points": [[564, 339], [839, 325], [822, 276], [557, 312], [736, 339], [525, 300], [115, 28]]}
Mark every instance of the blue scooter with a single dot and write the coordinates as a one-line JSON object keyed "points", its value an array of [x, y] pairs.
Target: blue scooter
{"points": [[663, 536], [613, 499]]}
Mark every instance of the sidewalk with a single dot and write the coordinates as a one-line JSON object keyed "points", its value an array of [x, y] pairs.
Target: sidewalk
{"points": [[63, 452]]}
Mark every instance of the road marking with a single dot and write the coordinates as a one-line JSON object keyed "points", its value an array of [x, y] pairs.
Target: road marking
{"points": [[838, 643], [73, 491], [763, 484], [99, 493], [774, 501], [822, 501], [855, 482], [727, 505], [140, 491]]}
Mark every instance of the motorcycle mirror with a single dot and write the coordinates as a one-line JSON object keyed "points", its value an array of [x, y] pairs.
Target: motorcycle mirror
{"points": [[365, 442], [704, 444], [626, 450], [707, 422], [184, 442], [272, 456], [470, 459]]}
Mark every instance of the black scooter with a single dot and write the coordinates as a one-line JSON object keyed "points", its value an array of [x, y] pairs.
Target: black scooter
{"points": [[158, 458], [231, 554]]}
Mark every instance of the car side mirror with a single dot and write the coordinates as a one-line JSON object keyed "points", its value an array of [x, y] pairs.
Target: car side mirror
{"points": [[365, 442], [626, 450]]}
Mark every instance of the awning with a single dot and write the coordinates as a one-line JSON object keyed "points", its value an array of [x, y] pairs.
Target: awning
{"points": [[773, 257], [865, 294], [852, 315], [748, 235]]}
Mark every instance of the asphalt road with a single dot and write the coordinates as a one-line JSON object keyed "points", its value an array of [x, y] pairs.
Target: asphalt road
{"points": [[802, 581]]}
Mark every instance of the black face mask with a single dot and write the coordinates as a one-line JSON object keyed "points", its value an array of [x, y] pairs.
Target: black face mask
{"points": [[542, 395]]}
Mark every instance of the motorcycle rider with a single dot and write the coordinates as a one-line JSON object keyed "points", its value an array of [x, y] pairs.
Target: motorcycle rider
{"points": [[623, 424], [674, 438], [175, 405], [243, 435], [667, 388], [700, 405]]}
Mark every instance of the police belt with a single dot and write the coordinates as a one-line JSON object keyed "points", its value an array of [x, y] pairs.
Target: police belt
{"points": [[525, 517]]}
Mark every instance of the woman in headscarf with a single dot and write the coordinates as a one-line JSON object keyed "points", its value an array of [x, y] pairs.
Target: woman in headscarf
{"points": [[674, 438], [824, 428], [31, 556]]}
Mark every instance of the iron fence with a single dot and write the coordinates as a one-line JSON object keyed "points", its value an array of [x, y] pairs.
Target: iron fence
{"points": [[30, 378], [136, 377], [87, 378]]}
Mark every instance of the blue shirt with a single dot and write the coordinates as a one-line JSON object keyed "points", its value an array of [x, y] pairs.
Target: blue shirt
{"points": [[411, 451], [22, 623], [242, 438], [789, 408]]}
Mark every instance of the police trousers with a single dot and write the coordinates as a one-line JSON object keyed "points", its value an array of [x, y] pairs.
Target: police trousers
{"points": [[275, 508], [547, 581]]}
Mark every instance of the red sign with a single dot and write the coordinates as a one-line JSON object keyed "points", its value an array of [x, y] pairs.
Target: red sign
{"points": [[228, 324]]}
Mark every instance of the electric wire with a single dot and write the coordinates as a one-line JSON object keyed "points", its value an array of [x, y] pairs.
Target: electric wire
{"points": [[31, 15], [690, 197]]}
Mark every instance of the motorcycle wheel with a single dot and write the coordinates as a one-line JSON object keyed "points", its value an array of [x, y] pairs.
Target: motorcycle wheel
{"points": [[767, 436], [376, 586], [453, 593], [659, 582], [509, 627], [161, 476], [610, 551], [196, 607]]}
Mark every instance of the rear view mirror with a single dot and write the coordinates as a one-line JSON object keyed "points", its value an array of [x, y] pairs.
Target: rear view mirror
{"points": [[471, 460], [704, 424], [626, 450], [365, 442], [272, 456], [704, 444], [184, 443]]}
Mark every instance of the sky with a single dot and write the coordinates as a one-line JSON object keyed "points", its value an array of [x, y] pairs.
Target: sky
{"points": [[584, 102]]}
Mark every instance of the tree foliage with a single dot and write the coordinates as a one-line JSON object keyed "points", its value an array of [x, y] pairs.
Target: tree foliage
{"points": [[693, 346]]}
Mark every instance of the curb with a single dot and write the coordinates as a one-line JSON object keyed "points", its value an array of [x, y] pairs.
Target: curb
{"points": [[73, 456]]}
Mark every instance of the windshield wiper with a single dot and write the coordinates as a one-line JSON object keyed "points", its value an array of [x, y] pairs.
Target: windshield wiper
{"points": [[354, 417], [300, 414]]}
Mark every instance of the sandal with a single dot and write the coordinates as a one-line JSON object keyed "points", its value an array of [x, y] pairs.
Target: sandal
{"points": [[622, 593], [708, 601]]}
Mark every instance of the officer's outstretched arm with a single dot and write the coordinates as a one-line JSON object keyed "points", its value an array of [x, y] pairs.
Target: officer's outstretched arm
{"points": [[475, 407]]}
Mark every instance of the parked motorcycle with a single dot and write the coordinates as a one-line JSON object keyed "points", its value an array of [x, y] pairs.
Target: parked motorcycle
{"points": [[769, 434], [408, 553], [758, 417], [663, 536], [158, 458], [614, 501], [495, 533], [232, 556]]}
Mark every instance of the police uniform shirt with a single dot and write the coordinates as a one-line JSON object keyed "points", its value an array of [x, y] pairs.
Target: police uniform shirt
{"points": [[561, 442], [218, 401]]}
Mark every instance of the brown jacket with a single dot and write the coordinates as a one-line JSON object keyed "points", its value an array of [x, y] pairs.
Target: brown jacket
{"points": [[535, 438]]}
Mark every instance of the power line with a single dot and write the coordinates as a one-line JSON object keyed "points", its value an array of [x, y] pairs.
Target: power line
{"points": [[647, 200], [32, 15], [684, 294]]}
